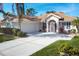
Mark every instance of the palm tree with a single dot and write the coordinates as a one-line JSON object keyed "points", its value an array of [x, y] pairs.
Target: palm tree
{"points": [[76, 23], [5, 14], [30, 12], [20, 12], [1, 9], [13, 10]]}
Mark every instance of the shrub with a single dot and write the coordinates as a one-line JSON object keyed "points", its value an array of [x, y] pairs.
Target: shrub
{"points": [[14, 31], [66, 49], [61, 30], [1, 30], [75, 37], [8, 30], [21, 34], [73, 31]]}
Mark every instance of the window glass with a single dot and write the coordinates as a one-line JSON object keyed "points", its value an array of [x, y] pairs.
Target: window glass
{"points": [[68, 25]]}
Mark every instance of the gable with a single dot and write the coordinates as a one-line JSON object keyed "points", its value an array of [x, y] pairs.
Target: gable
{"points": [[50, 16]]}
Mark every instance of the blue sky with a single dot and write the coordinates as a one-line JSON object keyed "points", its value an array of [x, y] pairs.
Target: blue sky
{"points": [[68, 8]]}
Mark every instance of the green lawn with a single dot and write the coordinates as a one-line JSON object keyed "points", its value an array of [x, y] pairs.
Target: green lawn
{"points": [[4, 37], [52, 49]]}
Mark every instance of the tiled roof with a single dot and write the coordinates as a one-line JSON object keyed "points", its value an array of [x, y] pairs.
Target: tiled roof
{"points": [[66, 17], [69, 18], [44, 16], [25, 18], [62, 15]]}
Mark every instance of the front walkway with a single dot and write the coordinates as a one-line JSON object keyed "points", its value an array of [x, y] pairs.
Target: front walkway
{"points": [[29, 45]]}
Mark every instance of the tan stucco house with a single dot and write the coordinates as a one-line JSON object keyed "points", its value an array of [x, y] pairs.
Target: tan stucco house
{"points": [[49, 22]]}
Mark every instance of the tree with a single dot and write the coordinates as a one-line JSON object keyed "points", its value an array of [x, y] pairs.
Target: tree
{"points": [[13, 10], [51, 11], [3, 12], [30, 12], [6, 15], [1, 6], [76, 23], [20, 12]]}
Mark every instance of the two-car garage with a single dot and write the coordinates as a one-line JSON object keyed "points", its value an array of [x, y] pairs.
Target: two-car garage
{"points": [[28, 26]]}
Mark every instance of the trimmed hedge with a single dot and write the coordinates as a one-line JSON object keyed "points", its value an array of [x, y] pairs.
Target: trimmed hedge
{"points": [[21, 34], [7, 30], [13, 31]]}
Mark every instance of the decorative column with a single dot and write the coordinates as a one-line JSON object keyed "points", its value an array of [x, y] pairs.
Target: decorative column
{"points": [[57, 27], [47, 29]]}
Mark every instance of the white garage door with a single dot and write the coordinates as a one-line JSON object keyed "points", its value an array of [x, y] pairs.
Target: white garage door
{"points": [[30, 27]]}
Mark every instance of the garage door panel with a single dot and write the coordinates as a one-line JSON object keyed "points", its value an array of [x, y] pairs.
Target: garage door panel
{"points": [[30, 27]]}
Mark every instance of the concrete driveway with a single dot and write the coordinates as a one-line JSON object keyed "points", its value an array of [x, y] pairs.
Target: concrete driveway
{"points": [[29, 45]]}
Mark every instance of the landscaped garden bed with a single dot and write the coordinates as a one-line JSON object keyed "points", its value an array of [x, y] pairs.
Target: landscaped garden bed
{"points": [[67, 47], [7, 34]]}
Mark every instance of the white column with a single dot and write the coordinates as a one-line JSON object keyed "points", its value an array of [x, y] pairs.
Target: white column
{"points": [[46, 26], [51, 26], [57, 24]]}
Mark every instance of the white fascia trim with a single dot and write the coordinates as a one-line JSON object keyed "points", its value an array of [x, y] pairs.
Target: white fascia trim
{"points": [[54, 16]]}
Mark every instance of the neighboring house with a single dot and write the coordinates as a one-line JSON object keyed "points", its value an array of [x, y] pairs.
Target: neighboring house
{"points": [[7, 22], [50, 22]]}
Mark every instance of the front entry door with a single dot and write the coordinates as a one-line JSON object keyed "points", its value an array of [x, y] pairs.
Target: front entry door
{"points": [[52, 26]]}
